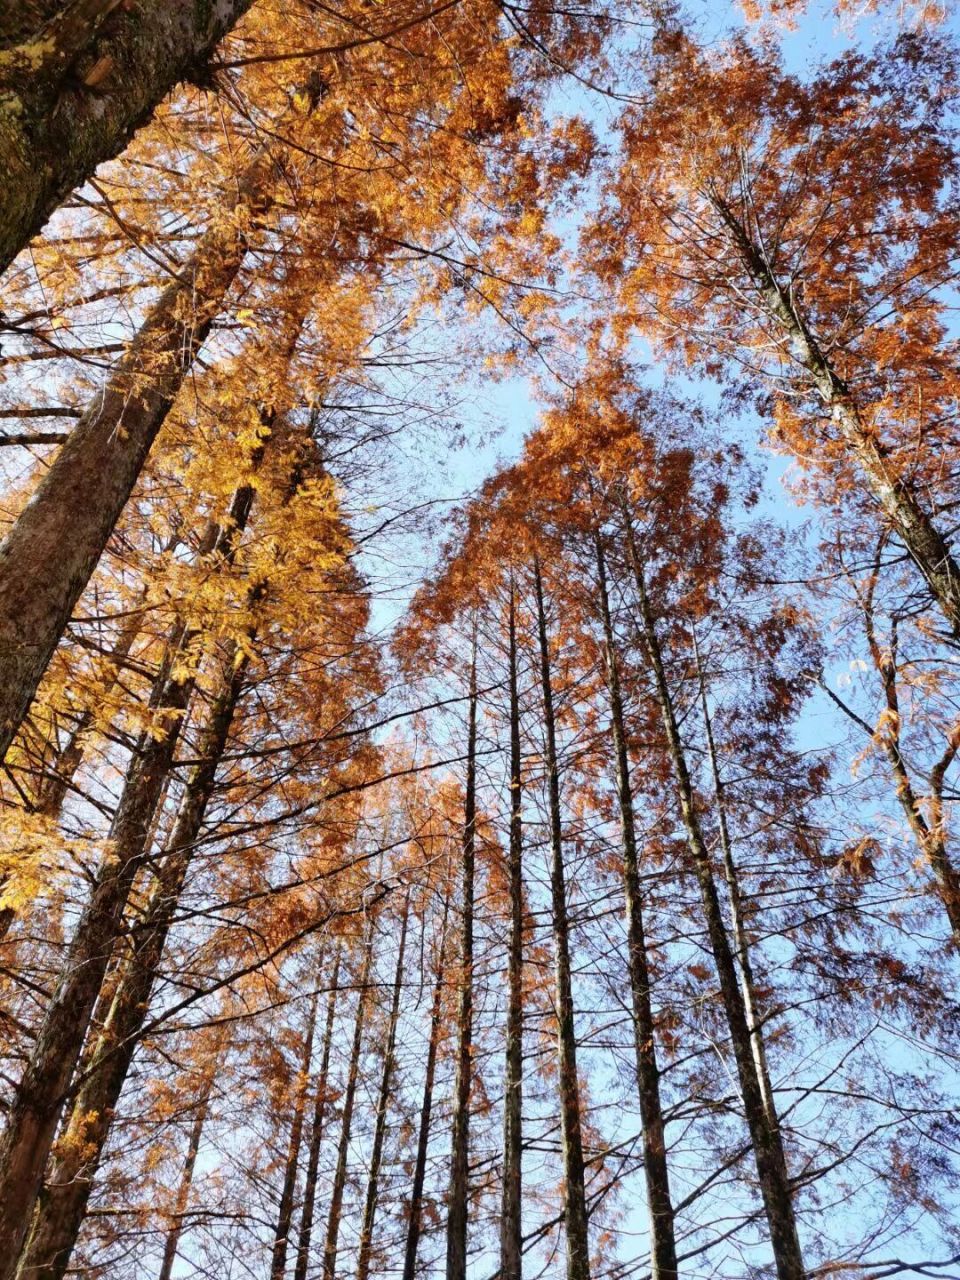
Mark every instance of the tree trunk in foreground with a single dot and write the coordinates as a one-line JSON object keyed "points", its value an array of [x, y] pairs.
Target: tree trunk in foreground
{"points": [[663, 1248], [35, 1110], [575, 1198], [50, 552], [73, 95], [63, 1202]]}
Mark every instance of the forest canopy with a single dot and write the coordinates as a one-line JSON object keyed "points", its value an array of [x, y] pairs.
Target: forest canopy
{"points": [[479, 640]]}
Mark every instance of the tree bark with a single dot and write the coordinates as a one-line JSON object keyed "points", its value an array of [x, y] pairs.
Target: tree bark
{"points": [[511, 1239], [73, 95], [415, 1217], [459, 1189], [281, 1237], [575, 1200], [36, 1107], [764, 1133], [914, 525], [663, 1248], [346, 1123], [383, 1103], [50, 552], [317, 1129]]}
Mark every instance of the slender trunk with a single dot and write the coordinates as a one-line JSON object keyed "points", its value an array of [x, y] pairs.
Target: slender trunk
{"points": [[186, 1180], [511, 1263], [50, 552], [63, 1201], [383, 1102], [101, 70], [741, 942], [317, 1130], [35, 1110], [415, 1218], [663, 1248], [459, 1189], [349, 1098], [764, 1131], [575, 1199], [894, 494], [278, 1263]]}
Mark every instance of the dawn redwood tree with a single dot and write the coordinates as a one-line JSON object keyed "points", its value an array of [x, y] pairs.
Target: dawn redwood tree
{"points": [[797, 235]]}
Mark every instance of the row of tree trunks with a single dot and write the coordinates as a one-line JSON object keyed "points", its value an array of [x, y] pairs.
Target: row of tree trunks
{"points": [[575, 1199], [663, 1248], [73, 94], [459, 1189], [764, 1131], [37, 1104]]}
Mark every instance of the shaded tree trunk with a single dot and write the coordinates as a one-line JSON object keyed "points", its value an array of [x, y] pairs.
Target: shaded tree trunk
{"points": [[415, 1216], [383, 1102], [764, 1132], [63, 1202], [663, 1249], [317, 1129], [50, 552], [511, 1262], [35, 1110], [73, 95], [346, 1123], [575, 1200], [459, 1189]]}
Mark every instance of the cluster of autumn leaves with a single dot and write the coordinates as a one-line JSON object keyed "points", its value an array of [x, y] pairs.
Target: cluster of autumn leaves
{"points": [[553, 934]]}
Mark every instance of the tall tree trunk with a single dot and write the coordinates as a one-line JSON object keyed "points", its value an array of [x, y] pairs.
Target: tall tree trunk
{"points": [[317, 1130], [893, 492], [35, 1110], [663, 1248], [346, 1123], [764, 1132], [459, 1189], [575, 1199], [63, 1202], [415, 1217], [186, 1178], [50, 552], [73, 95], [383, 1102], [740, 939], [511, 1262], [278, 1262]]}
